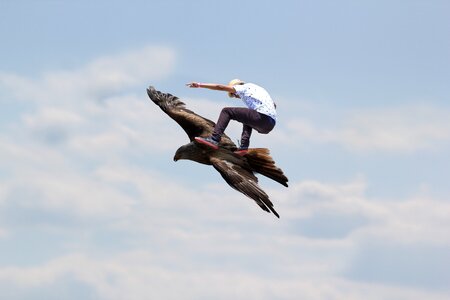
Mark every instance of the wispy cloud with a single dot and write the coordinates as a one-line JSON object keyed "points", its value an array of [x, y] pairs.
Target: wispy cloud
{"points": [[104, 76], [418, 219], [392, 129]]}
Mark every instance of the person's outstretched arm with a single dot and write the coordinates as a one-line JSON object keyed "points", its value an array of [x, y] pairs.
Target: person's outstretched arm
{"points": [[212, 86]]}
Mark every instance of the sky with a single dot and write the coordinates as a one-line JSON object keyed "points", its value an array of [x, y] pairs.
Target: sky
{"points": [[92, 205]]}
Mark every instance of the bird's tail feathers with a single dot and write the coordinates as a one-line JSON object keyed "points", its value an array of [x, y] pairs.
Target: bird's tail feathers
{"points": [[261, 162]]}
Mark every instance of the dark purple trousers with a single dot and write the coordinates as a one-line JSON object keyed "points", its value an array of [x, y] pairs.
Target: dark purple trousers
{"points": [[248, 117]]}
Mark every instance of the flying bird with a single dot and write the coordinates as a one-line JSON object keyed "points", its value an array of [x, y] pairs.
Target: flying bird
{"points": [[237, 170]]}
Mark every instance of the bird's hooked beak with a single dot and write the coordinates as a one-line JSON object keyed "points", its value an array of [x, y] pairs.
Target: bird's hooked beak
{"points": [[178, 155]]}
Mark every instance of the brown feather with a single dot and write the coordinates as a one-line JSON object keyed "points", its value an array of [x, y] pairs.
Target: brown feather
{"points": [[193, 124], [261, 162], [244, 181]]}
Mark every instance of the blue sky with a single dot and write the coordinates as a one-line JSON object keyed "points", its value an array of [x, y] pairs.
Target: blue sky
{"points": [[92, 205]]}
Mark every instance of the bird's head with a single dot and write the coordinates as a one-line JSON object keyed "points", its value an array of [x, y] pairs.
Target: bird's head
{"points": [[179, 154], [192, 151], [184, 152]]}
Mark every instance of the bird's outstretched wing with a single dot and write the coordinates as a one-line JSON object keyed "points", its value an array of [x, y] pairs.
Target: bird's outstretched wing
{"points": [[193, 124], [243, 181]]}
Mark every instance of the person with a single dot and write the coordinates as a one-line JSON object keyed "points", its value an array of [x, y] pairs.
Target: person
{"points": [[260, 113]]}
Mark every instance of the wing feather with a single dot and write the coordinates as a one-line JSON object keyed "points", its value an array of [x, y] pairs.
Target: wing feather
{"points": [[192, 123], [243, 181]]}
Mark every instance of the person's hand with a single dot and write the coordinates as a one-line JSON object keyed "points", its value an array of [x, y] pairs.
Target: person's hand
{"points": [[193, 85]]}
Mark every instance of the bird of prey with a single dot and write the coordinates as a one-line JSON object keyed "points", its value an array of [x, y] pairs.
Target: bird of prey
{"points": [[237, 170]]}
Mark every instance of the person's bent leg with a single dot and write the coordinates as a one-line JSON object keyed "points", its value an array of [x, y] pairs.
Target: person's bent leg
{"points": [[222, 123], [246, 116], [240, 114], [245, 137]]}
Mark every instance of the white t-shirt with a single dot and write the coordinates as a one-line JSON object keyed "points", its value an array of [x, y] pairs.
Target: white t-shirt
{"points": [[257, 98]]}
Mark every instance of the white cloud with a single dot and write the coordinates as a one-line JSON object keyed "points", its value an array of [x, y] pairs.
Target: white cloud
{"points": [[200, 241], [402, 129], [415, 220], [418, 220], [51, 116], [138, 275], [66, 131], [105, 75], [3, 233]]}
